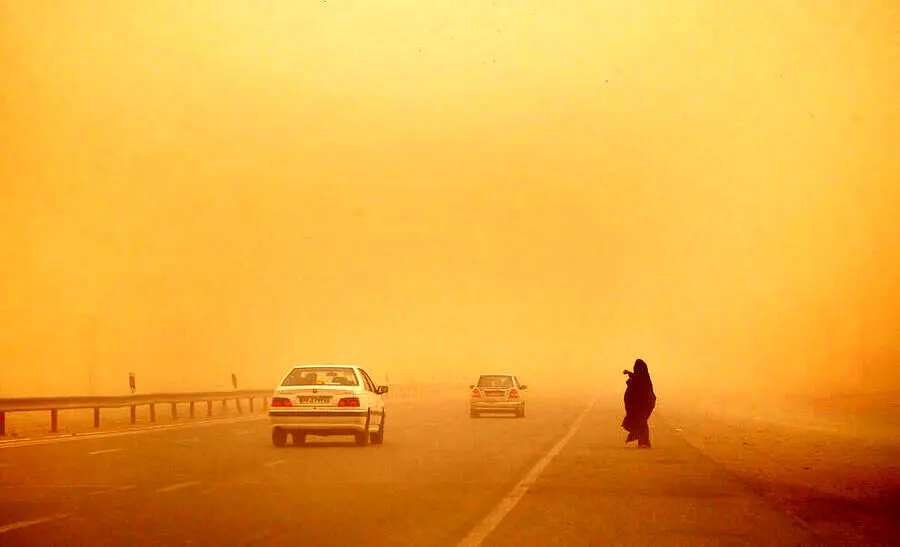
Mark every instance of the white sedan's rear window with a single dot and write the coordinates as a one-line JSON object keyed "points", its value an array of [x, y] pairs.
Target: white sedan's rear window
{"points": [[321, 376], [495, 381]]}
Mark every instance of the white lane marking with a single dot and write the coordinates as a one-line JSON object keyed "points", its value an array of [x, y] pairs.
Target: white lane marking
{"points": [[148, 429], [177, 486], [509, 501], [274, 463], [107, 451], [32, 486], [27, 523], [111, 490], [192, 440]]}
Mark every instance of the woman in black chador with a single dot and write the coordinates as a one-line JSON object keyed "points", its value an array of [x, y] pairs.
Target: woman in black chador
{"points": [[639, 404]]}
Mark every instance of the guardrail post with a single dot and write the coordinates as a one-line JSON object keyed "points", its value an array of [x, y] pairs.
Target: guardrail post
{"points": [[265, 403], [96, 417], [251, 405], [237, 403], [133, 415], [192, 409], [152, 412], [54, 421], [208, 409], [174, 411], [2, 424]]}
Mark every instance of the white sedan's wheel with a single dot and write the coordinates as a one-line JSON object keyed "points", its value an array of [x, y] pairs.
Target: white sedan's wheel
{"points": [[279, 437], [378, 438], [363, 437]]}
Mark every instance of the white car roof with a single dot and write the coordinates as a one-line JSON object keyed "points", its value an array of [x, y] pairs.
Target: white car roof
{"points": [[335, 365]]}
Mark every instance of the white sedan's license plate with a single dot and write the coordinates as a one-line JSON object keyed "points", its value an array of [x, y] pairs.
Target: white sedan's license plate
{"points": [[314, 400]]}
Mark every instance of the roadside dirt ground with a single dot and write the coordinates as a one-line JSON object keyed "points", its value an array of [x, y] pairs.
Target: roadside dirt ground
{"points": [[832, 463]]}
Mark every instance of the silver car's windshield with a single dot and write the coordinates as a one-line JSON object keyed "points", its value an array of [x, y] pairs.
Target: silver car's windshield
{"points": [[321, 376], [495, 381]]}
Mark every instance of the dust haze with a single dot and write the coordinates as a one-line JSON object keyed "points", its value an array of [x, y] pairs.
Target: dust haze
{"points": [[433, 190]]}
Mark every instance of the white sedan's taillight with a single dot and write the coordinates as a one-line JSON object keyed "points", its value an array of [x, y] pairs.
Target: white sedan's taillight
{"points": [[281, 401], [476, 393], [349, 401], [513, 394]]}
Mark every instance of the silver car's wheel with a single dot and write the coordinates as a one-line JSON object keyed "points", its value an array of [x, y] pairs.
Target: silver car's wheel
{"points": [[473, 413], [363, 437], [299, 437], [279, 437], [521, 412]]}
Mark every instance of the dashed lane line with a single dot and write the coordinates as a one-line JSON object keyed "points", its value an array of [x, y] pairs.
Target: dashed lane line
{"points": [[177, 486], [113, 490], [192, 440], [274, 463], [107, 451], [509, 501], [27, 523]]}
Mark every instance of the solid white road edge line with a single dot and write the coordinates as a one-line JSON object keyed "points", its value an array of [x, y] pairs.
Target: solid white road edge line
{"points": [[509, 501], [27, 523]]}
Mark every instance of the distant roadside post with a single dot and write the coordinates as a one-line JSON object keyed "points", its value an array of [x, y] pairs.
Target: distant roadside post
{"points": [[132, 387], [234, 380]]}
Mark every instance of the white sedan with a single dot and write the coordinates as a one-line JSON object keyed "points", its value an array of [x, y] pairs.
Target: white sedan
{"points": [[327, 400], [497, 393]]}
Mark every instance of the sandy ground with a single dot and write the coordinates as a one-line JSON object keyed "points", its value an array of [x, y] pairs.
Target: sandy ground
{"points": [[833, 463]]}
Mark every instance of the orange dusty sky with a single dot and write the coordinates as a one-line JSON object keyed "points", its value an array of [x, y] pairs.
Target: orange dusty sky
{"points": [[434, 189]]}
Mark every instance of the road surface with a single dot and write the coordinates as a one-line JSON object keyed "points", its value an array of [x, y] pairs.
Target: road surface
{"points": [[560, 476]]}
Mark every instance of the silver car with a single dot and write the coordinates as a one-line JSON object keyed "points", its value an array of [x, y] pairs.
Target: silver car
{"points": [[497, 393], [327, 400]]}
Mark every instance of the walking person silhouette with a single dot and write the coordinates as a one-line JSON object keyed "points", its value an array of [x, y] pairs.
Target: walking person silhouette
{"points": [[640, 400]]}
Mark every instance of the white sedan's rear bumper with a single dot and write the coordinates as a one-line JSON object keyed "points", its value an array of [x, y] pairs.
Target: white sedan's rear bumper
{"points": [[338, 421], [496, 406]]}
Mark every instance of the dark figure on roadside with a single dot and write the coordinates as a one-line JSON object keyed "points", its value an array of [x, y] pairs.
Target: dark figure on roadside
{"points": [[639, 404]]}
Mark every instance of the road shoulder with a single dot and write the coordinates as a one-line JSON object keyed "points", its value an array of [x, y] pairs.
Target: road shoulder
{"points": [[598, 491]]}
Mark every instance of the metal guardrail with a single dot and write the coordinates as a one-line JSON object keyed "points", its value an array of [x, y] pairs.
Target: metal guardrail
{"points": [[55, 404]]}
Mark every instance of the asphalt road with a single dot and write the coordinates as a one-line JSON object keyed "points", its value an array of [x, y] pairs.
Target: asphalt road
{"points": [[560, 476]]}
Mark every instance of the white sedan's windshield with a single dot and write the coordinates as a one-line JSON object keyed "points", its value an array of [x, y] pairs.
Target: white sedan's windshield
{"points": [[319, 376]]}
